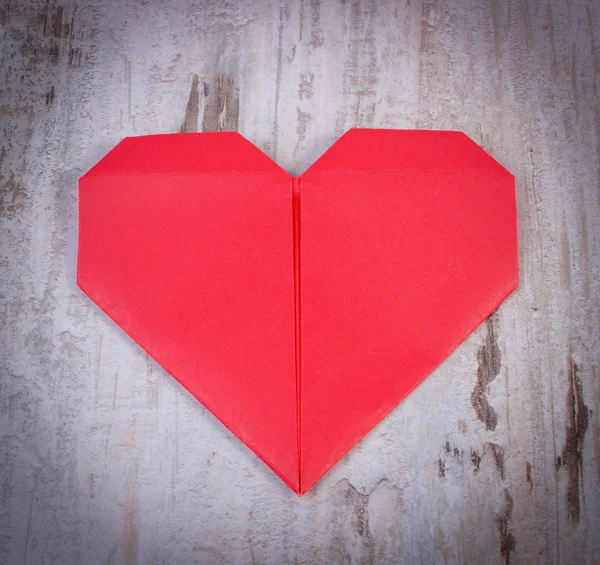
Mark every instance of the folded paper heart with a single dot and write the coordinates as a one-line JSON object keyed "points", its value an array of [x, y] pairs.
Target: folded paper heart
{"points": [[298, 310]]}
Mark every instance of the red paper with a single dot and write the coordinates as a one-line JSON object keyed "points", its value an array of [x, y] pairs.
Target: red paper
{"points": [[299, 310]]}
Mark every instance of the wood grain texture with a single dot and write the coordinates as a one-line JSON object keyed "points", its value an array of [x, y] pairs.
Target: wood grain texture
{"points": [[494, 459]]}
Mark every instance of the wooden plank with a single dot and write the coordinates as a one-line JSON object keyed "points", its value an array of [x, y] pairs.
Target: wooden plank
{"points": [[494, 459]]}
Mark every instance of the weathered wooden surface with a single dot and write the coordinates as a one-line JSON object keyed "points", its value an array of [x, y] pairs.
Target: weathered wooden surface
{"points": [[105, 459]]}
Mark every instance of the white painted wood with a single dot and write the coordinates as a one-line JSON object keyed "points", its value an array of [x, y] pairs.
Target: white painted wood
{"points": [[105, 459]]}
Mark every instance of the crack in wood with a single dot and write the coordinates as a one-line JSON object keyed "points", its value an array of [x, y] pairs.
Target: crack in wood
{"points": [[488, 357]]}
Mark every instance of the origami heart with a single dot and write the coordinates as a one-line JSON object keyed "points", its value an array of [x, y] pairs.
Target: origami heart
{"points": [[298, 310]]}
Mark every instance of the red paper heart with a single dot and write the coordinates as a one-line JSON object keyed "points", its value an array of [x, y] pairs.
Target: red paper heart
{"points": [[298, 310]]}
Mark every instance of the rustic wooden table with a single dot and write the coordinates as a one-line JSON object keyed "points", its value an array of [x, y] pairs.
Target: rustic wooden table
{"points": [[104, 458]]}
